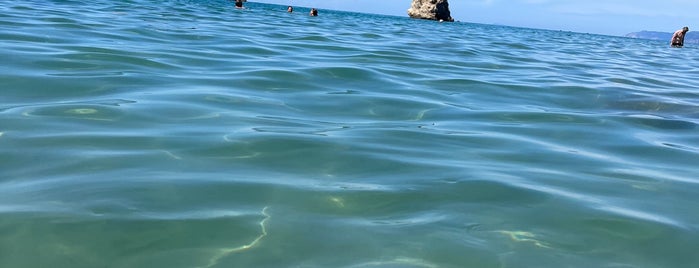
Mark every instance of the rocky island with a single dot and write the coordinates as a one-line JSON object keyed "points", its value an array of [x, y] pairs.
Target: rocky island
{"points": [[430, 10]]}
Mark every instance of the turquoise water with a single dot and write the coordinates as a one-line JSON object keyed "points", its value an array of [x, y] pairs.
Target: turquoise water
{"points": [[190, 134]]}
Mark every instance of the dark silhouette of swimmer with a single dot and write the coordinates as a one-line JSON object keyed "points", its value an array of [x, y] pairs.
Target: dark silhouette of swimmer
{"points": [[290, 9], [238, 3], [314, 12]]}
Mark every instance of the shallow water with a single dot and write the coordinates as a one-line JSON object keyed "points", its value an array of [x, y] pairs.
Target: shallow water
{"points": [[191, 134]]}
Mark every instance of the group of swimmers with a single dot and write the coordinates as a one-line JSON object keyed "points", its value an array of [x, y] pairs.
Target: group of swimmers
{"points": [[676, 41], [313, 13]]}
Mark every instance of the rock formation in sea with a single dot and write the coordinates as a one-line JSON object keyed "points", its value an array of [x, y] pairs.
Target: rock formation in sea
{"points": [[430, 10]]}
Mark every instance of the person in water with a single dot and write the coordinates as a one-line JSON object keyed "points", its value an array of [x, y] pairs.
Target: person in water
{"points": [[238, 3], [314, 12], [290, 9], [678, 37]]}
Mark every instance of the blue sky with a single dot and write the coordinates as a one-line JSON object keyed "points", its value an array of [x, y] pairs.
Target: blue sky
{"points": [[612, 17]]}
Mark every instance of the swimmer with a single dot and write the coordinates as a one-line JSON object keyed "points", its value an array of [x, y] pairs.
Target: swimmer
{"points": [[677, 39], [314, 12], [290, 9], [238, 3]]}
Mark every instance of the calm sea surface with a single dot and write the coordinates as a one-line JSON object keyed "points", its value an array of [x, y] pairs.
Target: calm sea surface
{"points": [[190, 134]]}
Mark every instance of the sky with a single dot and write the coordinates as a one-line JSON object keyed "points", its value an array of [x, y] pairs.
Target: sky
{"points": [[609, 17]]}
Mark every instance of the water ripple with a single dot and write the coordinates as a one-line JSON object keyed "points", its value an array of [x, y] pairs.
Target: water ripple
{"points": [[193, 134]]}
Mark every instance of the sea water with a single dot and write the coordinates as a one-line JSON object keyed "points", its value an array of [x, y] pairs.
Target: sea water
{"points": [[193, 134]]}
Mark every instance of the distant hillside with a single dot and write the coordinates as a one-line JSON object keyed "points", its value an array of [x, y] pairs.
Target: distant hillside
{"points": [[691, 38]]}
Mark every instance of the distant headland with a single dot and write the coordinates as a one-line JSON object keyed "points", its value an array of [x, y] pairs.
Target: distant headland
{"points": [[691, 38]]}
